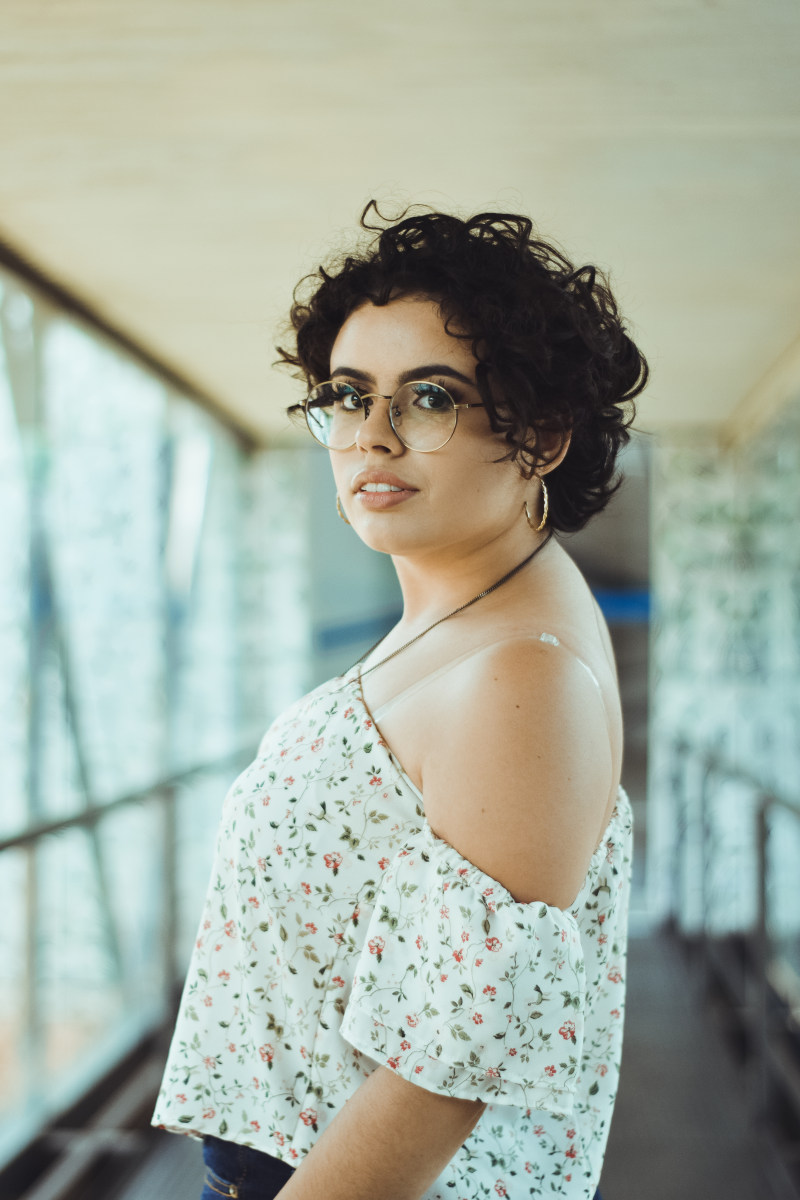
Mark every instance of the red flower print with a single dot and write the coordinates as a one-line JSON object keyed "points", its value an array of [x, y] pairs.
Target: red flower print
{"points": [[462, 871], [306, 887], [418, 941], [206, 924], [405, 1045], [376, 946], [417, 1070], [601, 918], [563, 935], [267, 1052], [348, 712], [528, 1166], [615, 975], [615, 1012], [309, 1116], [567, 1178], [368, 724], [443, 978], [500, 1188], [279, 849], [333, 861], [293, 1152], [572, 1152], [550, 1071], [393, 1062], [383, 863], [570, 1133], [477, 1018], [255, 1125], [412, 1021], [230, 929], [231, 1048], [317, 744], [512, 1052], [376, 781], [311, 927], [181, 1097], [538, 1130], [208, 1113], [478, 962], [337, 979], [465, 936], [489, 990], [458, 955], [493, 1072], [208, 1001], [223, 975], [494, 944], [289, 780], [209, 1062], [279, 1137], [602, 1069], [262, 864], [601, 941], [254, 901], [567, 1031], [444, 911]]}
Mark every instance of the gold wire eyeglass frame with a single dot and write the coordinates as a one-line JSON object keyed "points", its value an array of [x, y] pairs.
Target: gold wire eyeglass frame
{"points": [[372, 397]]}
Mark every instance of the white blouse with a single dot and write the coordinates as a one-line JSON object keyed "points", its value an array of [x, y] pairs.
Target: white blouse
{"points": [[340, 933]]}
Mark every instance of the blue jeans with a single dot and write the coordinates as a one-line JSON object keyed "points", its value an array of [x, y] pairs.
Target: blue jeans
{"points": [[241, 1173]]}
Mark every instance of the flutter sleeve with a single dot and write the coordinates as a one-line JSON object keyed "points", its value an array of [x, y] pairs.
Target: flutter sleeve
{"points": [[464, 991]]}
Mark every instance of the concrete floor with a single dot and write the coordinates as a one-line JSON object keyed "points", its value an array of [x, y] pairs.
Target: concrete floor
{"points": [[680, 1129]]}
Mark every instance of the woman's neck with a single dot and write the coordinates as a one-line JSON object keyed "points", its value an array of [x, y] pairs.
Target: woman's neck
{"points": [[434, 585]]}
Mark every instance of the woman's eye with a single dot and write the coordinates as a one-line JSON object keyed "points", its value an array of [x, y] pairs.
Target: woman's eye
{"points": [[347, 397], [431, 398]]}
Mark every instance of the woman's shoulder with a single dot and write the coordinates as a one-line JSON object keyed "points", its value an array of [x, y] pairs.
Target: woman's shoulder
{"points": [[519, 771]]}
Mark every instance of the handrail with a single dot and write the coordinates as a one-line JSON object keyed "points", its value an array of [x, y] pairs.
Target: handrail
{"points": [[90, 816], [767, 1076]]}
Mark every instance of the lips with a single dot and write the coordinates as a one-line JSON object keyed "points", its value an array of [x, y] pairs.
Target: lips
{"points": [[380, 483]]}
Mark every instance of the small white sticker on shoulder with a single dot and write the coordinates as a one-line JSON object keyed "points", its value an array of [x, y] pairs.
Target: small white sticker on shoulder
{"points": [[550, 638]]}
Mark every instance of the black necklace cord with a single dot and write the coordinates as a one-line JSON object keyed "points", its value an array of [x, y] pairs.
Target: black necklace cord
{"points": [[447, 616]]}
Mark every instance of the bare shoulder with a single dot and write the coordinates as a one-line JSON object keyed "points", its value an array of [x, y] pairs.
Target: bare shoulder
{"points": [[518, 775]]}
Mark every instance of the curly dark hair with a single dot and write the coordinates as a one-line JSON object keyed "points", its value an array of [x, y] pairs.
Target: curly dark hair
{"points": [[553, 353]]}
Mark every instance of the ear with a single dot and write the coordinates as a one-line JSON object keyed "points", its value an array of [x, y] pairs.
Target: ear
{"points": [[551, 446]]}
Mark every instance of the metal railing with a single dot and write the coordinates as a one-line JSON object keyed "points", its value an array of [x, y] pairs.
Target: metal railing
{"points": [[752, 983], [72, 1151]]}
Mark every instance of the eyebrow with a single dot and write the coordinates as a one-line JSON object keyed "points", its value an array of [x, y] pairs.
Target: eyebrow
{"points": [[407, 376]]}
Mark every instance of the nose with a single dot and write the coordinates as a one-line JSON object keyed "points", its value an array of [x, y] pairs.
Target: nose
{"points": [[376, 431]]}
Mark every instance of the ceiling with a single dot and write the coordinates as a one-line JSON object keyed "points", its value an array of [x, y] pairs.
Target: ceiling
{"points": [[179, 164]]}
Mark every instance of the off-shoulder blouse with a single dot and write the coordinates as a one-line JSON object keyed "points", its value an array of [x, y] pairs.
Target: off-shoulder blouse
{"points": [[340, 933]]}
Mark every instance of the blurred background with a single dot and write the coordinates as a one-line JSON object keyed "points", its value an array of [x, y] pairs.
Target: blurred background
{"points": [[173, 572]]}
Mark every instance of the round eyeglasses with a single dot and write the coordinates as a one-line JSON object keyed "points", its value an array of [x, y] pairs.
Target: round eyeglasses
{"points": [[422, 414]]}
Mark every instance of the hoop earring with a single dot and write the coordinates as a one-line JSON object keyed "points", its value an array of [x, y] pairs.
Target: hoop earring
{"points": [[340, 510], [545, 509]]}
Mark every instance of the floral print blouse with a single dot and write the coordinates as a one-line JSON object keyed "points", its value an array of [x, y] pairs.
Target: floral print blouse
{"points": [[340, 933]]}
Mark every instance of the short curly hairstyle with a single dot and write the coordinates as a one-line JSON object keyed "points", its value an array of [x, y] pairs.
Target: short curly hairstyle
{"points": [[552, 350]]}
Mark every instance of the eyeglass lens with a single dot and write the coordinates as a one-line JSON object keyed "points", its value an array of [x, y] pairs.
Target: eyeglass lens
{"points": [[423, 415]]}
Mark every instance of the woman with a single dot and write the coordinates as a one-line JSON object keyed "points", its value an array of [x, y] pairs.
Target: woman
{"points": [[409, 976]]}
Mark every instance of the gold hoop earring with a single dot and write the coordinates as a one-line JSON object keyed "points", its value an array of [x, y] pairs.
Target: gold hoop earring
{"points": [[545, 509], [340, 510]]}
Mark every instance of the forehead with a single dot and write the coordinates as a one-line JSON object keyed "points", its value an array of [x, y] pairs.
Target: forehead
{"points": [[394, 337]]}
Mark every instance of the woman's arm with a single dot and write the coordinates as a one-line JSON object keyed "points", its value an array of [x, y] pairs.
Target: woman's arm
{"points": [[389, 1142]]}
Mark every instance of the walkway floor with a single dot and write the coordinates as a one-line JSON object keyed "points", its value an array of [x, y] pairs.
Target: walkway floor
{"points": [[680, 1130]]}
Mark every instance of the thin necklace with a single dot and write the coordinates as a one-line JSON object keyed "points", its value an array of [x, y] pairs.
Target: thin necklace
{"points": [[447, 616]]}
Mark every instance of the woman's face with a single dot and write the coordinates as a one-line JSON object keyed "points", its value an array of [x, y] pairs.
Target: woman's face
{"points": [[451, 501]]}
